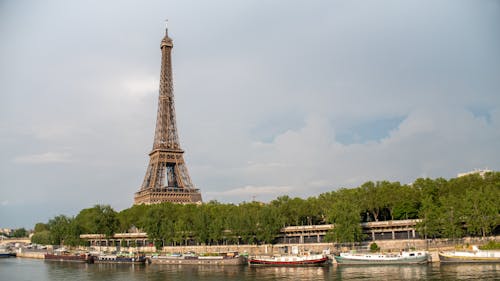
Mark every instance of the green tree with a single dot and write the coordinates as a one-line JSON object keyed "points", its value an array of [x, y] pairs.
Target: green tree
{"points": [[429, 212], [100, 219], [20, 232], [482, 210], [345, 216], [39, 227], [41, 237], [451, 218], [60, 229], [371, 198]]}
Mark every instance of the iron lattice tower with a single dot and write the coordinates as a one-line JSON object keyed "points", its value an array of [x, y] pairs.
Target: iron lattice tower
{"points": [[167, 178]]}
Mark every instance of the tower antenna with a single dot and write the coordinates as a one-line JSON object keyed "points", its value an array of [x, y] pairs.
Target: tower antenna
{"points": [[166, 27]]}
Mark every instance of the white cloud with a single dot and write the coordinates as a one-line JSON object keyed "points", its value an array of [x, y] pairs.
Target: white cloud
{"points": [[45, 158], [309, 160], [258, 103], [248, 192], [139, 87]]}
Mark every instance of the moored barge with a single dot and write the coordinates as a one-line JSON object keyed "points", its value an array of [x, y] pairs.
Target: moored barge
{"points": [[412, 257], [289, 260]]}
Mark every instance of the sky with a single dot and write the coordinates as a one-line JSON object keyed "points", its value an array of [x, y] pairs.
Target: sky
{"points": [[272, 97]]}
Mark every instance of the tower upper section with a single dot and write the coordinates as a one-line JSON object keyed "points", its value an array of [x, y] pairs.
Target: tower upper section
{"points": [[166, 137]]}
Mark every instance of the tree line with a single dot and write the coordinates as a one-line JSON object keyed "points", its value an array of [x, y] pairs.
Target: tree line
{"points": [[464, 206]]}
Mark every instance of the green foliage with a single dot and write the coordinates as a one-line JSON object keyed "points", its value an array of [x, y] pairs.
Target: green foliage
{"points": [[41, 237], [39, 227], [64, 231], [374, 247], [447, 208], [345, 215], [98, 219], [20, 232], [491, 245]]}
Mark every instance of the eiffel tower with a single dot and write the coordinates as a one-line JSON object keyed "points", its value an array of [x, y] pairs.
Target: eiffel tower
{"points": [[167, 178]]}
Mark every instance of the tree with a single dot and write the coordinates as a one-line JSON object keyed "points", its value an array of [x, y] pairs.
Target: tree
{"points": [[482, 210], [20, 232], [41, 237], [451, 218], [59, 228], [345, 216], [371, 197], [100, 219], [39, 227], [132, 217], [430, 215]]}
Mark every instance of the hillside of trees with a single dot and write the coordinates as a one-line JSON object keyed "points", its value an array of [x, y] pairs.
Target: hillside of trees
{"points": [[465, 206]]}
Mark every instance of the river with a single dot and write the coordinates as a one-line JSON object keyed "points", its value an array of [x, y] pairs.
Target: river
{"points": [[17, 269]]}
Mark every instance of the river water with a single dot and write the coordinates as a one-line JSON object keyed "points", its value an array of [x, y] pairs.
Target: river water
{"points": [[14, 269]]}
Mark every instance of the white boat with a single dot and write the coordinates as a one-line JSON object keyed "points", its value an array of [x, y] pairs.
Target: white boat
{"points": [[134, 259], [290, 260], [6, 252], [404, 257], [475, 255]]}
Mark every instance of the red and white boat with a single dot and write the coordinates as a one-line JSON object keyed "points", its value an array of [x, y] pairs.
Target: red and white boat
{"points": [[291, 260]]}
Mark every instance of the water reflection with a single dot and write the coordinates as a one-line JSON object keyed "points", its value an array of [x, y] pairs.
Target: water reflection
{"points": [[194, 272], [22, 269], [290, 273], [382, 272], [469, 271]]}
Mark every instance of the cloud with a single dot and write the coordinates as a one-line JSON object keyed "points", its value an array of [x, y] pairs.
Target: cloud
{"points": [[427, 142], [140, 87], [45, 158], [250, 192], [290, 103]]}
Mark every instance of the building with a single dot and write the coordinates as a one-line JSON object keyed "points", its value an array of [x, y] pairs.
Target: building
{"points": [[304, 234], [167, 178], [479, 172]]}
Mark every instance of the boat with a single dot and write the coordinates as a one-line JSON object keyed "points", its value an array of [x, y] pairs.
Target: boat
{"points": [[6, 253], [134, 259], [68, 257], [231, 258], [403, 257], [290, 260], [475, 255]]}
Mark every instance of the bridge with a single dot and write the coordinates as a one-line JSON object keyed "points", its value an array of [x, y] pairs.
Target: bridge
{"points": [[23, 240], [380, 230]]}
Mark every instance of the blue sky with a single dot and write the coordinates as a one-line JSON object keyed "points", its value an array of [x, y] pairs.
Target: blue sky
{"points": [[272, 98]]}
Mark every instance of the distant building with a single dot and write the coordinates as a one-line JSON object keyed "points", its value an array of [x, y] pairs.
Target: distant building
{"points": [[6, 231], [475, 172]]}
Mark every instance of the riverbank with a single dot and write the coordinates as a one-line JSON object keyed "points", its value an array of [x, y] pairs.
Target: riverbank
{"points": [[432, 246]]}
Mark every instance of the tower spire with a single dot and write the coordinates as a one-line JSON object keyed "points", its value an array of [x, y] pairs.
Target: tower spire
{"points": [[167, 178], [166, 27]]}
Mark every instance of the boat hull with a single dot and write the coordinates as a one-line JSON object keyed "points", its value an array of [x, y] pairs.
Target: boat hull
{"points": [[140, 260], [447, 258], [274, 262], [7, 255], [68, 258], [199, 261], [354, 261]]}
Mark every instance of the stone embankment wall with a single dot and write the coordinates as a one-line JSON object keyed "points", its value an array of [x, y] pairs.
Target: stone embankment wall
{"points": [[431, 245], [31, 255], [434, 245]]}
